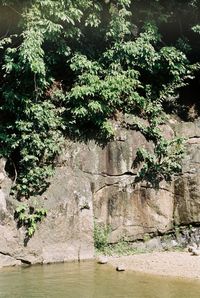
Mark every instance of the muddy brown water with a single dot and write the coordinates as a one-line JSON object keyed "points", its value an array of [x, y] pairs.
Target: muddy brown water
{"points": [[90, 280]]}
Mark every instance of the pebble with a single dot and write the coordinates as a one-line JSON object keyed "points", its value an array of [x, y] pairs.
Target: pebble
{"points": [[120, 268], [103, 260]]}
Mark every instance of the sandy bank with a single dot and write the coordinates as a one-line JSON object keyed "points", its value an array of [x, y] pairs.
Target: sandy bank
{"points": [[174, 264]]}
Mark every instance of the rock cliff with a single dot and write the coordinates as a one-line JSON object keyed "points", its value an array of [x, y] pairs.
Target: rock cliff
{"points": [[97, 182]]}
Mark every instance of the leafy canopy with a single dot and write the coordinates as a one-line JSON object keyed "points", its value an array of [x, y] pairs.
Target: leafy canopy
{"points": [[70, 67]]}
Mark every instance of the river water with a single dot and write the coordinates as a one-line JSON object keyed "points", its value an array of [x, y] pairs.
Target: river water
{"points": [[90, 280]]}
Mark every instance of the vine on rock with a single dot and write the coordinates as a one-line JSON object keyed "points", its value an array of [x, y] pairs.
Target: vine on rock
{"points": [[29, 217], [163, 162]]}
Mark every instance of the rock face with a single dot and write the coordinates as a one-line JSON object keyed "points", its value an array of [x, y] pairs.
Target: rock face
{"points": [[187, 186], [97, 182], [67, 232]]}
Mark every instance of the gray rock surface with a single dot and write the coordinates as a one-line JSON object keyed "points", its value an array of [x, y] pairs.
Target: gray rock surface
{"points": [[2, 200], [7, 261], [97, 182], [187, 186]]}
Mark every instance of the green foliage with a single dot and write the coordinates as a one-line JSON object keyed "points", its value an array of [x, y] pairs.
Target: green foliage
{"points": [[196, 29], [119, 26], [162, 164], [119, 78], [102, 245], [101, 234], [122, 248], [99, 92], [37, 137], [29, 216], [164, 161]]}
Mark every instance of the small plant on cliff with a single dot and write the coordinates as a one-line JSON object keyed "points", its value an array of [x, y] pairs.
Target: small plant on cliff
{"points": [[29, 216], [163, 162]]}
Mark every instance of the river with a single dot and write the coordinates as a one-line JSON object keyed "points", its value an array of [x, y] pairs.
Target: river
{"points": [[89, 280]]}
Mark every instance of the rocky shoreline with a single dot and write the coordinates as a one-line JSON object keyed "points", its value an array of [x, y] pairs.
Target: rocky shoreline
{"points": [[182, 265], [169, 264]]}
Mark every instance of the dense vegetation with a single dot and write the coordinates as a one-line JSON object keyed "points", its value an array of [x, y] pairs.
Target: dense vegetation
{"points": [[69, 68]]}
